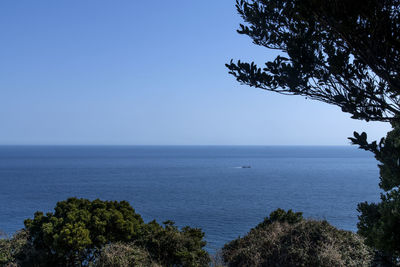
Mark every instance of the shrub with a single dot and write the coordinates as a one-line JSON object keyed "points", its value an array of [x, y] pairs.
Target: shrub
{"points": [[159, 245], [14, 250], [74, 234], [124, 255], [282, 242], [171, 247], [108, 233]]}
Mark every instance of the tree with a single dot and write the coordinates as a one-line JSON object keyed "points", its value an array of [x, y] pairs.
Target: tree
{"points": [[344, 53], [287, 239], [341, 52], [170, 246], [11, 249], [380, 223], [124, 255], [81, 232], [75, 233]]}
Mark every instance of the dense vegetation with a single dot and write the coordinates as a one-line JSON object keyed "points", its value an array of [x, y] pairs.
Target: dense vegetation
{"points": [[344, 53], [79, 228], [93, 233], [13, 248], [380, 222], [340, 52], [111, 234], [286, 239]]}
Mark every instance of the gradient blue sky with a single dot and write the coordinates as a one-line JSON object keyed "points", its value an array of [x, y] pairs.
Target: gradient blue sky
{"points": [[145, 73]]}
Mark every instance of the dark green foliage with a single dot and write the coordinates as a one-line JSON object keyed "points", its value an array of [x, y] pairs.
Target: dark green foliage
{"points": [[341, 52], [380, 222], [103, 233], [280, 215], [344, 53], [387, 152], [77, 230], [171, 247], [159, 246], [11, 249], [124, 255], [296, 242]]}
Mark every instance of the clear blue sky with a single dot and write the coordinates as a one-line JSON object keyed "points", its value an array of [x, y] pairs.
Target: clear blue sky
{"points": [[145, 73]]}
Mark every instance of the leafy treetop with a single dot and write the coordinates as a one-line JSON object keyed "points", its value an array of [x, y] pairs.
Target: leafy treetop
{"points": [[344, 53], [81, 232], [79, 228], [280, 215]]}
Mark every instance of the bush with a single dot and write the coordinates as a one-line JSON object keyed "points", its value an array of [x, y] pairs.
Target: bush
{"points": [[124, 255], [11, 248], [106, 233], [74, 234], [170, 247], [290, 240]]}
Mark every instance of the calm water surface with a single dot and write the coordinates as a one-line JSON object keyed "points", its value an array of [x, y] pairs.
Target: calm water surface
{"points": [[200, 186]]}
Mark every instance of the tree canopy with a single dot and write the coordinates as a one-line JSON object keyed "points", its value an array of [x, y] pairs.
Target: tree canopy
{"points": [[81, 232], [79, 228], [344, 53], [287, 239], [380, 222]]}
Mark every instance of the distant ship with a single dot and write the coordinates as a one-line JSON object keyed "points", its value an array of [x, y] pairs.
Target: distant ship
{"points": [[246, 167]]}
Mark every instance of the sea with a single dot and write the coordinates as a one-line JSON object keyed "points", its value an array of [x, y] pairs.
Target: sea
{"points": [[198, 186]]}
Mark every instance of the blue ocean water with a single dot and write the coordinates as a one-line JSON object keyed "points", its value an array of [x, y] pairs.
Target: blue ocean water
{"points": [[200, 186]]}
